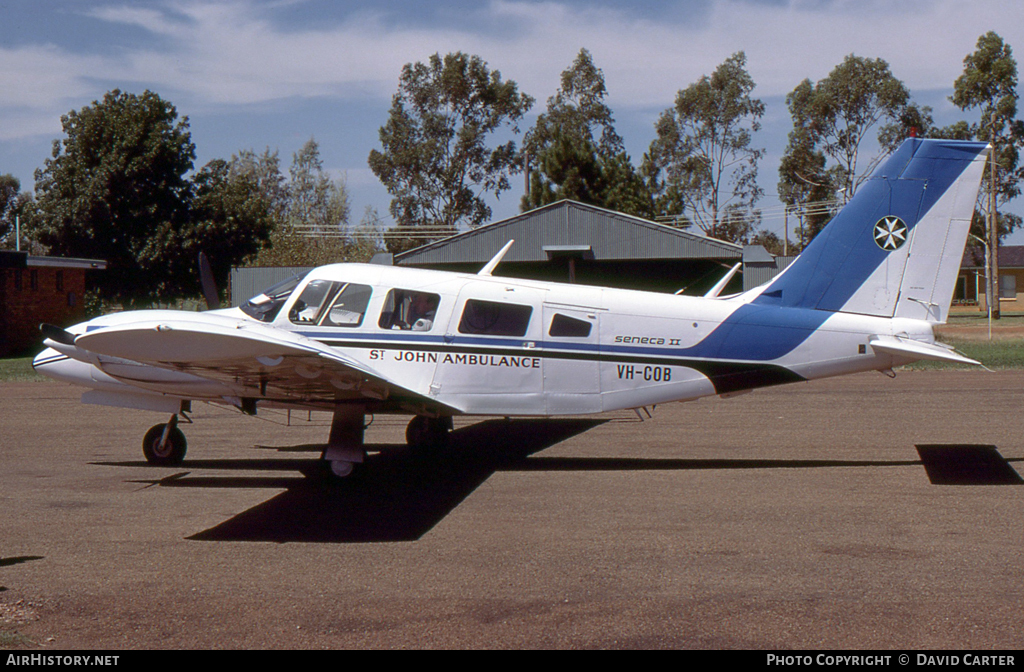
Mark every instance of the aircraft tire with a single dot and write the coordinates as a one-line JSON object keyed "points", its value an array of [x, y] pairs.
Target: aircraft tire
{"points": [[427, 433], [171, 455]]}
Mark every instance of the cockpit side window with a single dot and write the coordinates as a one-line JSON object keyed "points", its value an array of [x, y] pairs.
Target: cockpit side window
{"points": [[348, 307], [495, 319], [408, 309], [265, 307], [328, 303]]}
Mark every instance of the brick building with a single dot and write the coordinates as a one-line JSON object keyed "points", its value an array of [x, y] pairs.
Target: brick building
{"points": [[970, 285], [35, 290]]}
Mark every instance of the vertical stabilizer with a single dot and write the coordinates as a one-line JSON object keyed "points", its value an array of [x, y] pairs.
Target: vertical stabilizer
{"points": [[895, 249]]}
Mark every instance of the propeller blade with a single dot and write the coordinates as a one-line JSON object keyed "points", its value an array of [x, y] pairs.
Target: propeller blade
{"points": [[56, 334], [209, 286]]}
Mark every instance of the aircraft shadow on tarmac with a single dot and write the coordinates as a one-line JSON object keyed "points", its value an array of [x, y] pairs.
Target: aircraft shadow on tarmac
{"points": [[400, 495], [967, 464]]}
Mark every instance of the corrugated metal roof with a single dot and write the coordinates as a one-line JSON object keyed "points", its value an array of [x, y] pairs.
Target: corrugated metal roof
{"points": [[611, 235], [757, 274]]}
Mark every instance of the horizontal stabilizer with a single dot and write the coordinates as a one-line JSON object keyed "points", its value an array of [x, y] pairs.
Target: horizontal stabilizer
{"points": [[905, 347]]}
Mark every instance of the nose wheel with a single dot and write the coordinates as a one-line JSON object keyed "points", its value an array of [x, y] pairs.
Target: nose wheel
{"points": [[164, 444]]}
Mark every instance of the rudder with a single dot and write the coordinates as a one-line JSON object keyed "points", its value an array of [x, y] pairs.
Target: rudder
{"points": [[894, 250]]}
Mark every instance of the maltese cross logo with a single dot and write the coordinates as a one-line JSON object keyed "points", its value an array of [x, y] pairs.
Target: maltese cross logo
{"points": [[890, 233]]}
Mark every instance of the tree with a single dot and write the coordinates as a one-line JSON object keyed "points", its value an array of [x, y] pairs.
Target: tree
{"points": [[311, 223], [435, 160], [230, 219], [10, 188], [115, 189], [836, 115], [316, 203], [805, 187], [577, 153], [989, 85], [703, 145], [265, 171]]}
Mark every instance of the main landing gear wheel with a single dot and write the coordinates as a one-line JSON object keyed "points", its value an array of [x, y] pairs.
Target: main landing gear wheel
{"points": [[164, 451], [430, 433]]}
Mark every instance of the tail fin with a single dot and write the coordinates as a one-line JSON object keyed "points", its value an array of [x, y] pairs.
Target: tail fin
{"points": [[894, 250]]}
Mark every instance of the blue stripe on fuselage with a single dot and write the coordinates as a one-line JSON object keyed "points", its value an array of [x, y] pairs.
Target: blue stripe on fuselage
{"points": [[758, 333]]}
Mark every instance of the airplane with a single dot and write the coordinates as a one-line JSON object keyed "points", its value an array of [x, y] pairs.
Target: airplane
{"points": [[362, 339]]}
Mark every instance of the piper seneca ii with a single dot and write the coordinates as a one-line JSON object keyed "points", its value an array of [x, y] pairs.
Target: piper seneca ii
{"points": [[359, 339]]}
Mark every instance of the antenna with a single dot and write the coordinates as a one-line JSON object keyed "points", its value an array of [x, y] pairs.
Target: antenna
{"points": [[486, 270]]}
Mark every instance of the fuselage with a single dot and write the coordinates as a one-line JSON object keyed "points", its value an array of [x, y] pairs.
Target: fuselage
{"points": [[491, 345]]}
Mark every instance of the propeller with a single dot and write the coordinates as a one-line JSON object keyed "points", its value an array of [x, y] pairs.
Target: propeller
{"points": [[56, 334], [209, 286]]}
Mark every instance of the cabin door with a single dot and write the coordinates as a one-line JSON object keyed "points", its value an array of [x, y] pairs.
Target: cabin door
{"points": [[572, 375], [491, 360]]}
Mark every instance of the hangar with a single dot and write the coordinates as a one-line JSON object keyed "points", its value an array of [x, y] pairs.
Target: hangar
{"points": [[573, 242]]}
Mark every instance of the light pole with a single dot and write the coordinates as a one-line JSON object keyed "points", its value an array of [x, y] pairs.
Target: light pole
{"points": [[988, 281], [993, 224]]}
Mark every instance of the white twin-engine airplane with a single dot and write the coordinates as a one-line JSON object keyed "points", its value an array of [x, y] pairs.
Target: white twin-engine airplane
{"points": [[358, 339]]}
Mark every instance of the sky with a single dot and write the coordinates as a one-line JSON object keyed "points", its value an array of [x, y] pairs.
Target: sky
{"points": [[271, 74]]}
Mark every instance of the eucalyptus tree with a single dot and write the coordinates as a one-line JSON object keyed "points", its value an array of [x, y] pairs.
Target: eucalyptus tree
{"points": [[435, 157], [988, 86], [838, 114], [704, 148]]}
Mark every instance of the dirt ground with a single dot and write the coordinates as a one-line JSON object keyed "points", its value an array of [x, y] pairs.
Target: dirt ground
{"points": [[860, 512]]}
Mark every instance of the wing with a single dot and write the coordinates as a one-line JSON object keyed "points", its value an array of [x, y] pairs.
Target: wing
{"points": [[251, 360]]}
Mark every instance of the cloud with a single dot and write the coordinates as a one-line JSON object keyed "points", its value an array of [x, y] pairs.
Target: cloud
{"points": [[243, 52], [238, 52]]}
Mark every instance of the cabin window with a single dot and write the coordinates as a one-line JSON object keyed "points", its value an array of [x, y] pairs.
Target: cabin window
{"points": [[406, 309], [495, 319], [326, 303], [563, 326], [264, 307]]}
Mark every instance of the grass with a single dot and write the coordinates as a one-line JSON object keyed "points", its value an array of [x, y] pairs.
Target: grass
{"points": [[994, 354], [12, 639], [968, 334], [19, 369]]}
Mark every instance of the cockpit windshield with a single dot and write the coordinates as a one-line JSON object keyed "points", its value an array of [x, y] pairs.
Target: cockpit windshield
{"points": [[264, 307]]}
